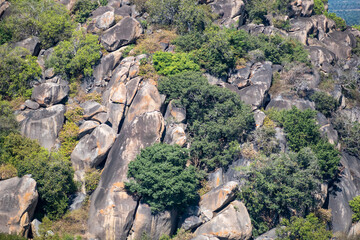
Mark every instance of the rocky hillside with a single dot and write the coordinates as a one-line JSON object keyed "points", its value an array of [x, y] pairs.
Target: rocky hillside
{"points": [[178, 119]]}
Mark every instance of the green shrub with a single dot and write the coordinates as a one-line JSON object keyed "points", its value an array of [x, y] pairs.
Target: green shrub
{"points": [[169, 64], [4, 236], [8, 121], [324, 103], [7, 171], [160, 176], [264, 138], [257, 9], [340, 23], [308, 228], [355, 207], [68, 138], [328, 157], [82, 10], [16, 71], [280, 186], [217, 119], [76, 56], [352, 139], [53, 174], [319, 6], [49, 20], [92, 178]]}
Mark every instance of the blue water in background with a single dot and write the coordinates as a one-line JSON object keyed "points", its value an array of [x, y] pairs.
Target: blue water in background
{"points": [[347, 9]]}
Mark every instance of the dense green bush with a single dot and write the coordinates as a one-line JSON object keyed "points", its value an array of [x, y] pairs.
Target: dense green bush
{"points": [[17, 69], [265, 139], [355, 207], [83, 9], [92, 178], [218, 49], [53, 174], [47, 19], [8, 121], [257, 9], [4, 236], [279, 186], [184, 15], [324, 103], [308, 228], [319, 6], [218, 119], [328, 157], [340, 23], [160, 176], [169, 64], [76, 56]]}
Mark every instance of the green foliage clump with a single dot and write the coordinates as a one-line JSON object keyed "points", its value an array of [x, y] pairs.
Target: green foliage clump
{"points": [[160, 176], [8, 121], [279, 186], [340, 23], [185, 15], [328, 157], [92, 178], [83, 8], [47, 19], [169, 64], [355, 207], [218, 119], [17, 69], [4, 236], [319, 6], [68, 138], [324, 103], [264, 137], [53, 174], [257, 9], [217, 49], [308, 228], [76, 56]]}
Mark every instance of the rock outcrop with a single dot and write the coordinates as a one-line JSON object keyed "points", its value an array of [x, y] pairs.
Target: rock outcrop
{"points": [[48, 94], [18, 199]]}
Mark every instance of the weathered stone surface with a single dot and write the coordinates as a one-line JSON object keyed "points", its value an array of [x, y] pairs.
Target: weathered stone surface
{"points": [[101, 117], [35, 225], [354, 230], [342, 191], [18, 199], [43, 124], [320, 56], [230, 11], [269, 235], [92, 149], [216, 178], [32, 44], [47, 94], [124, 11], [103, 71], [112, 209], [154, 225], [302, 8], [105, 21], [232, 223], [91, 108], [300, 28], [259, 117], [218, 198], [191, 222], [175, 134], [31, 104], [124, 32], [352, 114], [205, 237], [175, 114], [283, 103], [115, 115], [87, 127]]}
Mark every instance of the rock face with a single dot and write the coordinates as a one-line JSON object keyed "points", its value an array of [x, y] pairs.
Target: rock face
{"points": [[18, 199], [230, 11], [43, 124], [48, 94], [281, 102], [123, 33], [32, 44], [232, 223], [302, 8], [112, 210], [93, 148], [105, 21], [342, 192]]}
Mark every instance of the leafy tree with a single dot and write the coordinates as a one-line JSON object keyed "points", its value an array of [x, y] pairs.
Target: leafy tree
{"points": [[4, 236], [319, 6], [257, 9], [76, 56], [53, 174], [8, 121], [308, 228], [218, 119], [47, 19], [92, 178], [355, 207], [324, 103], [16, 71], [160, 176], [169, 64], [280, 186], [328, 157], [83, 9]]}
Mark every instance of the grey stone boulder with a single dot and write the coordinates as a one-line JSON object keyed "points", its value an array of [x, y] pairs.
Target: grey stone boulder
{"points": [[256, 95], [87, 127], [352, 114], [102, 71], [31, 104], [321, 56], [269, 235], [259, 117], [175, 134], [93, 148], [191, 223], [32, 44], [112, 210], [217, 199], [175, 114], [4, 5], [155, 225], [43, 124], [342, 191], [115, 115], [301, 28], [354, 231], [281, 102], [48, 94], [215, 179], [101, 117], [92, 108], [18, 199], [124, 11], [239, 77], [124, 32], [35, 226], [205, 237], [301, 8], [232, 223], [105, 21], [230, 11]]}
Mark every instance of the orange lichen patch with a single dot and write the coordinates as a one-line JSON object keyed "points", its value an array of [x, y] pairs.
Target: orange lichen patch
{"points": [[117, 186], [217, 181]]}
